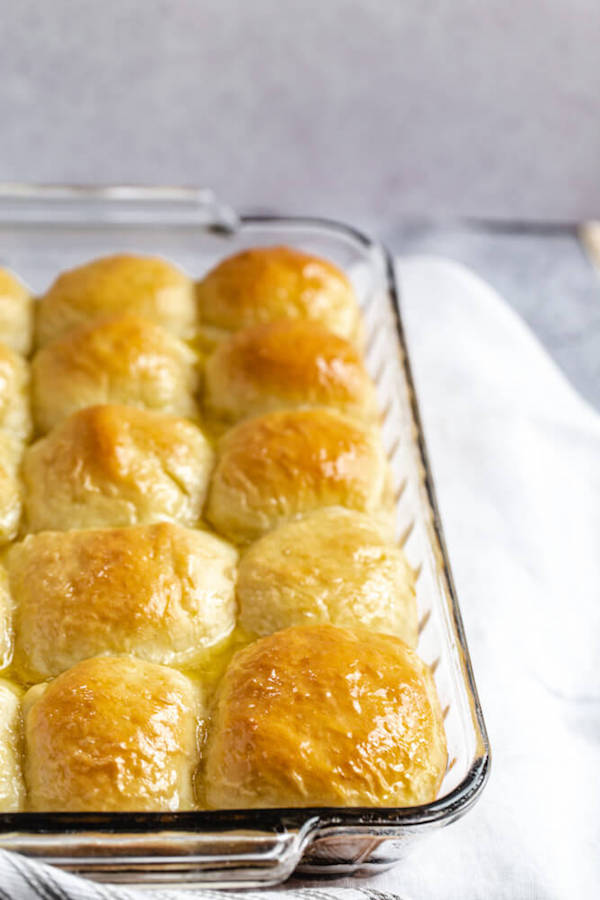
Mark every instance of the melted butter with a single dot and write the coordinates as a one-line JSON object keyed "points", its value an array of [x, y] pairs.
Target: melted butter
{"points": [[212, 668], [207, 674]]}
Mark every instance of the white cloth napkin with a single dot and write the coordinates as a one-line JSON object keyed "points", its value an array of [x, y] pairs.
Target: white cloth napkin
{"points": [[516, 456], [516, 459], [22, 879]]}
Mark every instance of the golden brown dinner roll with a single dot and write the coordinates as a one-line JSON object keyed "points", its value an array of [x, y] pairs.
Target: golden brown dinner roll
{"points": [[284, 464], [141, 285], [115, 466], [324, 716], [16, 313], [268, 283], [11, 451], [12, 789], [334, 565], [112, 734], [123, 359], [15, 414], [285, 364], [160, 592]]}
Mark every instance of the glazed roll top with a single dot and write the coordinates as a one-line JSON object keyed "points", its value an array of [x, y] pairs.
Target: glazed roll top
{"points": [[265, 284], [112, 734], [319, 715], [334, 565], [16, 314], [141, 285], [160, 592], [125, 360], [113, 466], [286, 364], [281, 465]]}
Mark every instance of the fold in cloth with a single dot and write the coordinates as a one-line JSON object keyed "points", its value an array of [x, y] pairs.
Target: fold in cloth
{"points": [[22, 879], [516, 458]]}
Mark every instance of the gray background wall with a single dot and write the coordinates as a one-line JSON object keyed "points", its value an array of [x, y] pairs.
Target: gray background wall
{"points": [[366, 110], [374, 111]]}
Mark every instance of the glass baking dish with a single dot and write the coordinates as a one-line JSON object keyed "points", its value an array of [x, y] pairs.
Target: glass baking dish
{"points": [[45, 229]]}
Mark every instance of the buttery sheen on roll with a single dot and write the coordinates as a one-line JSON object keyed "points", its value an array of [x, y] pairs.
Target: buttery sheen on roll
{"points": [[112, 734], [15, 415], [334, 565], [6, 621], [11, 451], [284, 464], [160, 592], [16, 313], [12, 789], [325, 716], [141, 285], [115, 466], [123, 359], [264, 284], [286, 364]]}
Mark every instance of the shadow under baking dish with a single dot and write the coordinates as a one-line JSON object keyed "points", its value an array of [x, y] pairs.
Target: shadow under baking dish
{"points": [[43, 230]]}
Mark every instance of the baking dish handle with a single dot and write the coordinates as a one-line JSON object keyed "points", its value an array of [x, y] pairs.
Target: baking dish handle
{"points": [[253, 858], [73, 204]]}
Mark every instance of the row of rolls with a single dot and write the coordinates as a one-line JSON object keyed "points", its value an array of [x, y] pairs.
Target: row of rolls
{"points": [[202, 604]]}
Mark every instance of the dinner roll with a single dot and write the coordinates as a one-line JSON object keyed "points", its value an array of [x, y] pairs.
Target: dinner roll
{"points": [[114, 466], [10, 506], [324, 716], [335, 565], [12, 789], [6, 621], [268, 283], [284, 464], [11, 451], [141, 285], [15, 415], [112, 734], [16, 313], [123, 359], [160, 592], [285, 364]]}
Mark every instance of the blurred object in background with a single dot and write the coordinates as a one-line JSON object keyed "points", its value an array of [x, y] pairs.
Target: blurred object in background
{"points": [[590, 235]]}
